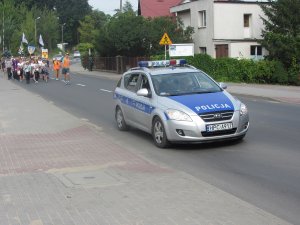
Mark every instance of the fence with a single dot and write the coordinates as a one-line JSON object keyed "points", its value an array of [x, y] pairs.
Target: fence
{"points": [[118, 64]]}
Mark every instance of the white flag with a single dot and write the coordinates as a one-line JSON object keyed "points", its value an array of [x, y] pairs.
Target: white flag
{"points": [[24, 40], [21, 49], [41, 41]]}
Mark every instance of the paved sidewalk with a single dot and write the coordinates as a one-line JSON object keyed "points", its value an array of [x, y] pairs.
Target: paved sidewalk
{"points": [[288, 94], [58, 170]]}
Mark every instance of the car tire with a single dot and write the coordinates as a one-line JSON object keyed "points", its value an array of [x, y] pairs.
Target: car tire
{"points": [[121, 124], [159, 134]]}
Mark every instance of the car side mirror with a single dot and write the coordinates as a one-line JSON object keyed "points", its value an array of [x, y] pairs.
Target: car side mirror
{"points": [[144, 92], [223, 85]]}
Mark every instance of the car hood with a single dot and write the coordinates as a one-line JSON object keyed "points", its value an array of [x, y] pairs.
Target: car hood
{"points": [[200, 103]]}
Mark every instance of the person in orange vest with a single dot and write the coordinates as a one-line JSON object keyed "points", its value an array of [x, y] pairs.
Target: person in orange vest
{"points": [[56, 68], [66, 68]]}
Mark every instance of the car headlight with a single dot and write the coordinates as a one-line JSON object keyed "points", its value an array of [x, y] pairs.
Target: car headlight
{"points": [[243, 110], [178, 115]]}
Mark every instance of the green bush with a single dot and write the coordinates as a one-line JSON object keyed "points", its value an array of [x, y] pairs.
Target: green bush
{"points": [[294, 73], [244, 70]]}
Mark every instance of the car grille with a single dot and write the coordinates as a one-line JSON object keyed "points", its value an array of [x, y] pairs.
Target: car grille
{"points": [[217, 116], [218, 133]]}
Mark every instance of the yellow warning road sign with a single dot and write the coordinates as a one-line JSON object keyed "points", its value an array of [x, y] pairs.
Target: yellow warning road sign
{"points": [[45, 53], [165, 40]]}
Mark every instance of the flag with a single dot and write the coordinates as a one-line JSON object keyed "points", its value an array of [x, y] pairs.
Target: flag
{"points": [[24, 40], [41, 41], [21, 49]]}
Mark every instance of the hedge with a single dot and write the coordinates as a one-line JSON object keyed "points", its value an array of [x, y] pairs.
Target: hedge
{"points": [[244, 70]]}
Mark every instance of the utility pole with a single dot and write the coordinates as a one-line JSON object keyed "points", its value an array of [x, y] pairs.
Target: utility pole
{"points": [[62, 37], [3, 32], [121, 6]]}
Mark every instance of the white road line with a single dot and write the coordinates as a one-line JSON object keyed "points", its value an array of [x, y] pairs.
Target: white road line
{"points": [[105, 90], [82, 85]]}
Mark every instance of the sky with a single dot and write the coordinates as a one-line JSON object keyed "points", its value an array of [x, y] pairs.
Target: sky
{"points": [[110, 5]]}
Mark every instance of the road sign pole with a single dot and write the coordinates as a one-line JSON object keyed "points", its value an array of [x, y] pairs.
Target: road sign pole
{"points": [[165, 52]]}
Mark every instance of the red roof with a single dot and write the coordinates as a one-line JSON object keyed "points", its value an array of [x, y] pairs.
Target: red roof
{"points": [[155, 8]]}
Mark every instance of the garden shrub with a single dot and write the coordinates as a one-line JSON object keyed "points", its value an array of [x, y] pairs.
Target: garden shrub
{"points": [[244, 70]]}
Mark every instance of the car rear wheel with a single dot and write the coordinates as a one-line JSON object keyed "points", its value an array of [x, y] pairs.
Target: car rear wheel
{"points": [[159, 134], [120, 120]]}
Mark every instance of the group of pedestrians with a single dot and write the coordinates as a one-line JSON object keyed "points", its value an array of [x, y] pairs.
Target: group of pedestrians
{"points": [[35, 68], [21, 68], [64, 66]]}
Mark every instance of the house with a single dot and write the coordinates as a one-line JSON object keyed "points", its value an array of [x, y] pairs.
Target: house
{"points": [[156, 8], [224, 28]]}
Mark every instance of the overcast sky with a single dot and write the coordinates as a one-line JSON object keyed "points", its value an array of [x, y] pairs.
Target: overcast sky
{"points": [[108, 6]]}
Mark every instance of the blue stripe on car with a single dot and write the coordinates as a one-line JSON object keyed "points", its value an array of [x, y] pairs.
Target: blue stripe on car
{"points": [[134, 104], [206, 102]]}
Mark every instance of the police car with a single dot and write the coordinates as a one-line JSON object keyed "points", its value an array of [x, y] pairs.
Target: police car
{"points": [[176, 102]]}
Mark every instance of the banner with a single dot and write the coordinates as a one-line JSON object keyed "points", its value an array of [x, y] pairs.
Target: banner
{"points": [[45, 53], [31, 49], [186, 49]]}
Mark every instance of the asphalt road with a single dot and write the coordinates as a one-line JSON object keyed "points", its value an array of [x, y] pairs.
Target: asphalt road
{"points": [[263, 170]]}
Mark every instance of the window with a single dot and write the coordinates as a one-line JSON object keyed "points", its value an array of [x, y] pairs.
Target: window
{"points": [[119, 83], [247, 18], [202, 50], [130, 81], [145, 83], [202, 19], [256, 50]]}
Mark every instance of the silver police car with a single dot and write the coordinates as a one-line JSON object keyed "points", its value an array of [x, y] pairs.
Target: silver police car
{"points": [[176, 102]]}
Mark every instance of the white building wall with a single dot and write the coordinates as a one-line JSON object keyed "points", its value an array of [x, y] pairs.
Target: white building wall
{"points": [[185, 17], [224, 25], [229, 20], [241, 50], [203, 36]]}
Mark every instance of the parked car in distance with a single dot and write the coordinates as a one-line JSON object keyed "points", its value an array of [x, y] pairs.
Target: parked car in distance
{"points": [[76, 54], [58, 57]]}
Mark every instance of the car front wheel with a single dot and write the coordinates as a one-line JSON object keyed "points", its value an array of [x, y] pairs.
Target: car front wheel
{"points": [[120, 120], [159, 134]]}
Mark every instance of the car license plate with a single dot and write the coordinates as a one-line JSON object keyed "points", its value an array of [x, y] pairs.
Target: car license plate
{"points": [[218, 127]]}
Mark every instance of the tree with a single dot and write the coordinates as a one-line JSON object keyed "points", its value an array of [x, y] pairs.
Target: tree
{"points": [[11, 22], [68, 11], [281, 36], [71, 12], [159, 25], [48, 27], [125, 34], [91, 25]]}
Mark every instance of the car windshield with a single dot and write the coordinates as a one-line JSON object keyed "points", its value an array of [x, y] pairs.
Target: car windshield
{"points": [[183, 84]]}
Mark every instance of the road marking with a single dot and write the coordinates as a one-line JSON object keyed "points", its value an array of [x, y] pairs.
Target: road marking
{"points": [[105, 90], [82, 85]]}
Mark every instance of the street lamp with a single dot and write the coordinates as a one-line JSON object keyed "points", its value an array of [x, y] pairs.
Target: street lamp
{"points": [[62, 36], [121, 6], [35, 28]]}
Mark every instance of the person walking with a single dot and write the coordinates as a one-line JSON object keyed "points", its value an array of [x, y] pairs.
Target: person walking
{"points": [[44, 71], [27, 71], [3, 64], [66, 68], [15, 62], [8, 66], [35, 69], [56, 68]]}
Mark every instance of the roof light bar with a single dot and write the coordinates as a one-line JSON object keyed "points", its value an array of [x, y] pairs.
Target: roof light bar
{"points": [[162, 63]]}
